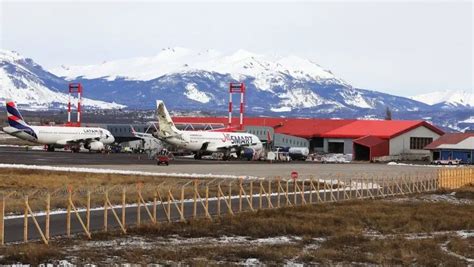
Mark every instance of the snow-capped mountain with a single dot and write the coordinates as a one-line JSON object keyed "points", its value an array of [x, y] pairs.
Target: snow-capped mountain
{"points": [[197, 79], [447, 98], [175, 60], [26, 82]]}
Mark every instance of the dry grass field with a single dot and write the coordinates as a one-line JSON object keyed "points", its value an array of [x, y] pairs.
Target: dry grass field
{"points": [[429, 229], [37, 183], [24, 180]]}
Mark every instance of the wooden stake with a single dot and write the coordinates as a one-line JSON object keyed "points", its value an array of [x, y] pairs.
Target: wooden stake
{"points": [[48, 210], [279, 191], [182, 200], [303, 199], [240, 195], [295, 200], [139, 205], [319, 193], [219, 199], [2, 221], [269, 193], [68, 219], [124, 206], [80, 219], [230, 199], [28, 209], [25, 221], [195, 200], [350, 188], [287, 192], [207, 198], [154, 208], [169, 204], [88, 210], [251, 195], [106, 196]]}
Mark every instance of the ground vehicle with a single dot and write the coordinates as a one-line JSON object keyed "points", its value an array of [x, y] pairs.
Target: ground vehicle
{"points": [[446, 162], [163, 157]]}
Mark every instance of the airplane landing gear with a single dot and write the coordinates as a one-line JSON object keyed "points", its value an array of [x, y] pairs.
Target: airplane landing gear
{"points": [[197, 156], [50, 148], [226, 156]]}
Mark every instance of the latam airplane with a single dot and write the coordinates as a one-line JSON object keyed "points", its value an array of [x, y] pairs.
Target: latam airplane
{"points": [[203, 142], [93, 139]]}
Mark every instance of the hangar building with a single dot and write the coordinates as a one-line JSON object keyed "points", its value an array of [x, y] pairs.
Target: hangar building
{"points": [[453, 146]]}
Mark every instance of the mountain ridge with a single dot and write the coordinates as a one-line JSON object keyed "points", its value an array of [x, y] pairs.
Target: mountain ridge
{"points": [[189, 80]]}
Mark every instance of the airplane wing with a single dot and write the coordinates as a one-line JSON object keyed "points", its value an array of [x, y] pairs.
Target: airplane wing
{"points": [[76, 141]]}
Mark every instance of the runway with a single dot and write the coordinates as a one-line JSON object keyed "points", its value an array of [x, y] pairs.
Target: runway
{"points": [[140, 162]]}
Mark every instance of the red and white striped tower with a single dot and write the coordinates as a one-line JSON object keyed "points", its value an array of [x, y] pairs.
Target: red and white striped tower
{"points": [[236, 88], [69, 106], [74, 88]]}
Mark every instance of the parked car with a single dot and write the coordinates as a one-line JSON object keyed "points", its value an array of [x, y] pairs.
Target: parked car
{"points": [[446, 162]]}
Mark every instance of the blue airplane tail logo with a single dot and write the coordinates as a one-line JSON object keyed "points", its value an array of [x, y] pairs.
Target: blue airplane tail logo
{"points": [[15, 120]]}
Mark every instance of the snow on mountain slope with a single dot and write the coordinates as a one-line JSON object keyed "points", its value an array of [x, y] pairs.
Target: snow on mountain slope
{"points": [[25, 82], [449, 97], [173, 60], [194, 94]]}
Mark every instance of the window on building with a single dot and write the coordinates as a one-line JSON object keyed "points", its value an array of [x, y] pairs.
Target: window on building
{"points": [[419, 142]]}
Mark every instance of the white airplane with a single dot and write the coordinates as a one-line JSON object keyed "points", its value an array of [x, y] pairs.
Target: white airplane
{"points": [[93, 139], [203, 142]]}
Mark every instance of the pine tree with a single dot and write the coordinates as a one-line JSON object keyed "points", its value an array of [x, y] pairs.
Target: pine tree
{"points": [[388, 114]]}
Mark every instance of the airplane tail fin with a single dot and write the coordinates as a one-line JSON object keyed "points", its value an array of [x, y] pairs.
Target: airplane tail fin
{"points": [[166, 125], [134, 133], [14, 116]]}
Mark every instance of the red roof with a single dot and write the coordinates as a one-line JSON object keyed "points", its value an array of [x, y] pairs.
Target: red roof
{"points": [[377, 146], [386, 129], [450, 138], [370, 141], [329, 128]]}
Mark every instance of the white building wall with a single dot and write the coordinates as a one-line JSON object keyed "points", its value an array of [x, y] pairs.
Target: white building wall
{"points": [[401, 144]]}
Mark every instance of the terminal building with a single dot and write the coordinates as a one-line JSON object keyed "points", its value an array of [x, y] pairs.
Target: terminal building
{"points": [[364, 139]]}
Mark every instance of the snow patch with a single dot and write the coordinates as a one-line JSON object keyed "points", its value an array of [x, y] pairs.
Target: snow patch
{"points": [[300, 97], [281, 109], [393, 163], [112, 171], [452, 97], [468, 120], [193, 93]]}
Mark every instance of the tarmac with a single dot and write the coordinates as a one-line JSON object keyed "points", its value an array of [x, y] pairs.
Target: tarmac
{"points": [[140, 162]]}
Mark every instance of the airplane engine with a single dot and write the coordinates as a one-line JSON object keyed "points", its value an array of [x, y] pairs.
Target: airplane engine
{"points": [[95, 146]]}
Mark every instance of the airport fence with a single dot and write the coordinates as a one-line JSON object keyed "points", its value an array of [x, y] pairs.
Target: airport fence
{"points": [[84, 211]]}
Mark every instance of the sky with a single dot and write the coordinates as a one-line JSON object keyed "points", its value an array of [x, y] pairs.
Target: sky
{"points": [[404, 48]]}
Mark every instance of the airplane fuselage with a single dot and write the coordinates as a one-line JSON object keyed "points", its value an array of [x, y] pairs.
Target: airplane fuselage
{"points": [[214, 141], [54, 135]]}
